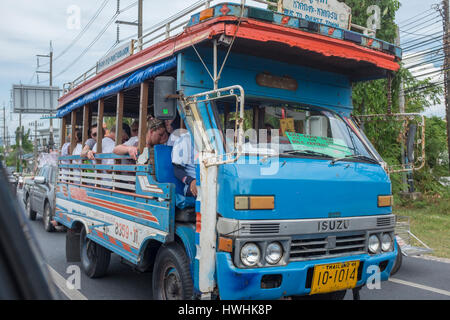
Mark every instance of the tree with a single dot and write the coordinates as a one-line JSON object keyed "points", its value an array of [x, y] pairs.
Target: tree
{"points": [[371, 97]]}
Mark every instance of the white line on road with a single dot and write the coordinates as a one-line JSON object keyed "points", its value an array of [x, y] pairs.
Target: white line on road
{"points": [[420, 286], [72, 294]]}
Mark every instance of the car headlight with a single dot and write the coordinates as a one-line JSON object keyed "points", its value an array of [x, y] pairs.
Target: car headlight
{"points": [[274, 252], [386, 242], [250, 254], [374, 244]]}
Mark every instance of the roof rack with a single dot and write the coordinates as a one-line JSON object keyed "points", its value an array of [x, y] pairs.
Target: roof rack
{"points": [[174, 25]]}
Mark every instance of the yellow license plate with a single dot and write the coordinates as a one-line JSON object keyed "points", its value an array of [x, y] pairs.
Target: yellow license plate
{"points": [[334, 277]]}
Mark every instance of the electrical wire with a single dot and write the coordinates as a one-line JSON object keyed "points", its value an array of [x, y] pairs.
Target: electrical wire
{"points": [[99, 35]]}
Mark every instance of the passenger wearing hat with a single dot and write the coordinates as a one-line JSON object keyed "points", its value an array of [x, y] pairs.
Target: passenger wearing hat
{"points": [[156, 134]]}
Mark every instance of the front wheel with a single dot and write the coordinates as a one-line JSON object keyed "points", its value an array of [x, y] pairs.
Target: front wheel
{"points": [[171, 274], [398, 261], [94, 258], [48, 219], [31, 214]]}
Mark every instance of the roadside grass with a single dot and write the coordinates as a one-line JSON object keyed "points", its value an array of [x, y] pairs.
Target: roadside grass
{"points": [[430, 221]]}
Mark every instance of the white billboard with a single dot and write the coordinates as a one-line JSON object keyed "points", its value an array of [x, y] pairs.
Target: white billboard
{"points": [[35, 99], [330, 12], [115, 56]]}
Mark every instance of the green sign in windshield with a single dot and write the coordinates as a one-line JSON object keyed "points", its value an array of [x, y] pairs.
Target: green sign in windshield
{"points": [[335, 148]]}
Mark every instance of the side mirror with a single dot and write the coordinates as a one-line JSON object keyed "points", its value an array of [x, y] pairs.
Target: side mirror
{"points": [[164, 101], [39, 180], [410, 139]]}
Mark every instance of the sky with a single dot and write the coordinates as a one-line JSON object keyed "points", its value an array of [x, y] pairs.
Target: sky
{"points": [[28, 26]]}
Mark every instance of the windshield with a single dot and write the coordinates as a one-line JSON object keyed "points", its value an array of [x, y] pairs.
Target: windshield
{"points": [[292, 130]]}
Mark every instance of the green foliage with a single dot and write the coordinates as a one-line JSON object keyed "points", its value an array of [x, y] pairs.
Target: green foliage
{"points": [[371, 98]]}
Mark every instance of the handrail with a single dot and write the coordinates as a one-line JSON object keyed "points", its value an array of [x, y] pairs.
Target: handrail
{"points": [[166, 28], [161, 30]]}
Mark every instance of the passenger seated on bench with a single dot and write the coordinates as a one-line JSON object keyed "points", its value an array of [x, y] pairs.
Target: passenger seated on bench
{"points": [[183, 159], [109, 142], [156, 134], [90, 143]]}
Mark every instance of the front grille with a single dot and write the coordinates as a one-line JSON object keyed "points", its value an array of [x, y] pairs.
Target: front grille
{"points": [[385, 221], [260, 228], [327, 246]]}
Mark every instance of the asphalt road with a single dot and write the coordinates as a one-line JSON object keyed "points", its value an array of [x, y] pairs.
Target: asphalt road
{"points": [[418, 278]]}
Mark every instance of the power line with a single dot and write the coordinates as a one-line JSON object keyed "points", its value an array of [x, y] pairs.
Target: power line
{"points": [[105, 28], [82, 32]]}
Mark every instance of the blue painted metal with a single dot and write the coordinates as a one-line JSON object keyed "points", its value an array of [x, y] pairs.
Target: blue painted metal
{"points": [[315, 87], [119, 85], [245, 284], [303, 188]]}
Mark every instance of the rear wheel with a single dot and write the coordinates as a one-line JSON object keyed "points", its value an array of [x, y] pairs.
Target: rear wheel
{"points": [[171, 274], [94, 258], [48, 218], [31, 214]]}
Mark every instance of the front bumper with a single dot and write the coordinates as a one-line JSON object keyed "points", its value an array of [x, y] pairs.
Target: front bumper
{"points": [[245, 284]]}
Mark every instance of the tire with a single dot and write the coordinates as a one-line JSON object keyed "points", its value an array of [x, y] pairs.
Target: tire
{"points": [[398, 261], [94, 258], [338, 295], [171, 274], [47, 218], [30, 213]]}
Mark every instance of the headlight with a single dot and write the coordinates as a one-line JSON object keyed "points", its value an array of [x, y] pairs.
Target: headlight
{"points": [[274, 252], [250, 254], [374, 244], [386, 242]]}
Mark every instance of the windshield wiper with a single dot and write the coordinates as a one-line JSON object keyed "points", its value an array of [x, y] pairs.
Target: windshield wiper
{"points": [[307, 152], [356, 156]]}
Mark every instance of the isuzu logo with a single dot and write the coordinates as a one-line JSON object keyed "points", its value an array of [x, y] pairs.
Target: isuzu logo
{"points": [[333, 225]]}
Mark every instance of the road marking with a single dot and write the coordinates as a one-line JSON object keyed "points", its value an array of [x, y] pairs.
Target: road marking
{"points": [[420, 286], [72, 294]]}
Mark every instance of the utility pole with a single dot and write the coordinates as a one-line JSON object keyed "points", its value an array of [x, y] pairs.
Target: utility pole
{"points": [[35, 145], [139, 24], [51, 142], [401, 102], [446, 42], [4, 133]]}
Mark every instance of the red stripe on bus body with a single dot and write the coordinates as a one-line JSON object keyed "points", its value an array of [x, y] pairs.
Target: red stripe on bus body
{"points": [[114, 207]]}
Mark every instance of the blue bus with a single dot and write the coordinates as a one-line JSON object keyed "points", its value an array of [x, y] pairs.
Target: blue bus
{"points": [[293, 200]]}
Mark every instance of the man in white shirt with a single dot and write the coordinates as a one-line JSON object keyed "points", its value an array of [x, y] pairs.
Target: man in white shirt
{"points": [[108, 144], [156, 134], [183, 160]]}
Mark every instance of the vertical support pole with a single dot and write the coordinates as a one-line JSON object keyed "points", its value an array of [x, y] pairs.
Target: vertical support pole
{"points": [[143, 105], [216, 81], [73, 122], [86, 124], [119, 118], [101, 108], [206, 227], [63, 131], [140, 23], [100, 131]]}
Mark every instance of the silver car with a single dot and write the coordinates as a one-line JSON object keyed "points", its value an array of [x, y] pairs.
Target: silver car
{"points": [[39, 196]]}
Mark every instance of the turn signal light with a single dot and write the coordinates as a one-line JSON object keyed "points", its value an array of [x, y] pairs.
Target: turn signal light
{"points": [[254, 203], [225, 244], [385, 201]]}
